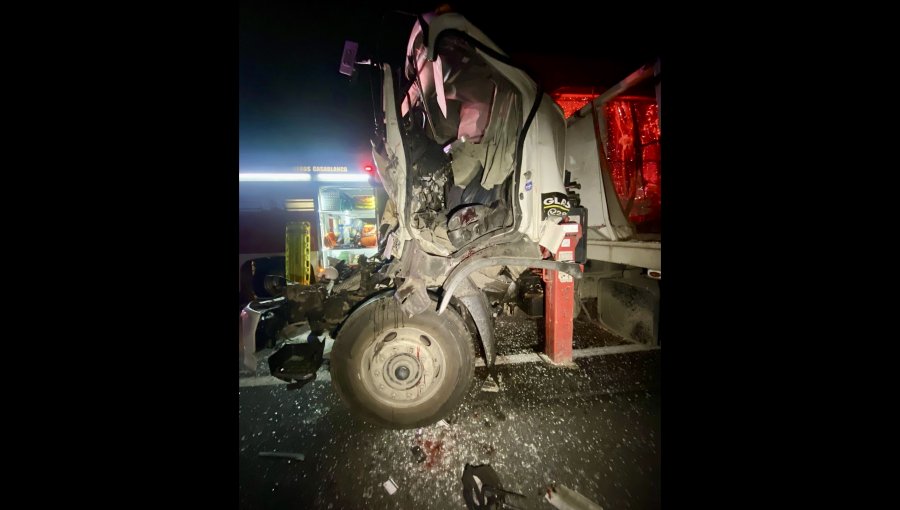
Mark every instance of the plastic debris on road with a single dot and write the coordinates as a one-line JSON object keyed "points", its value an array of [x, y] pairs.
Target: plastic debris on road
{"points": [[565, 498], [390, 486], [490, 386]]}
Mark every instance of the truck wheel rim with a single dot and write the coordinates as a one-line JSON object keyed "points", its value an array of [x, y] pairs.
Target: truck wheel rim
{"points": [[403, 367]]}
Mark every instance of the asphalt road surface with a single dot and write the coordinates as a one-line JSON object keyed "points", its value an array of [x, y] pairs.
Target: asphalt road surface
{"points": [[593, 427]]}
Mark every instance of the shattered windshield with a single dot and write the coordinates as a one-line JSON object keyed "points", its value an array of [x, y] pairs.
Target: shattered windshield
{"points": [[462, 120]]}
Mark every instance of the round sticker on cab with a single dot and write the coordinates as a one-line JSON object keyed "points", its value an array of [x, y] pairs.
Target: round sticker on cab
{"points": [[528, 185]]}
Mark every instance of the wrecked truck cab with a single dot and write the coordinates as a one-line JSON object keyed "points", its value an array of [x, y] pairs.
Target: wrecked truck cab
{"points": [[470, 152]]}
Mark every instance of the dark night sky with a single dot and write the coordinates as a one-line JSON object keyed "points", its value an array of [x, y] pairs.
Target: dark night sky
{"points": [[296, 109]]}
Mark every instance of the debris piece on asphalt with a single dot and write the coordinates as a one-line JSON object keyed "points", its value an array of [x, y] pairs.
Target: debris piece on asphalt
{"points": [[482, 488], [490, 386], [565, 498], [390, 486], [442, 423], [418, 454], [283, 455], [487, 449]]}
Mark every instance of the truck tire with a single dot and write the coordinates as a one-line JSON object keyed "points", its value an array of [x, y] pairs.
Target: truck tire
{"points": [[400, 372]]}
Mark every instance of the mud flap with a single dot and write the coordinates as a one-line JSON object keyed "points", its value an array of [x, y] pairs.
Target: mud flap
{"points": [[480, 311], [297, 363], [481, 315], [629, 307]]}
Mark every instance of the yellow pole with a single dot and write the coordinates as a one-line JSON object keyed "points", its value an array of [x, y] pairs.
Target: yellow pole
{"points": [[296, 253]]}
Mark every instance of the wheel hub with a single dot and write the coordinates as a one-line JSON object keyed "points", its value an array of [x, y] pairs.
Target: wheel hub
{"points": [[402, 371], [405, 367]]}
